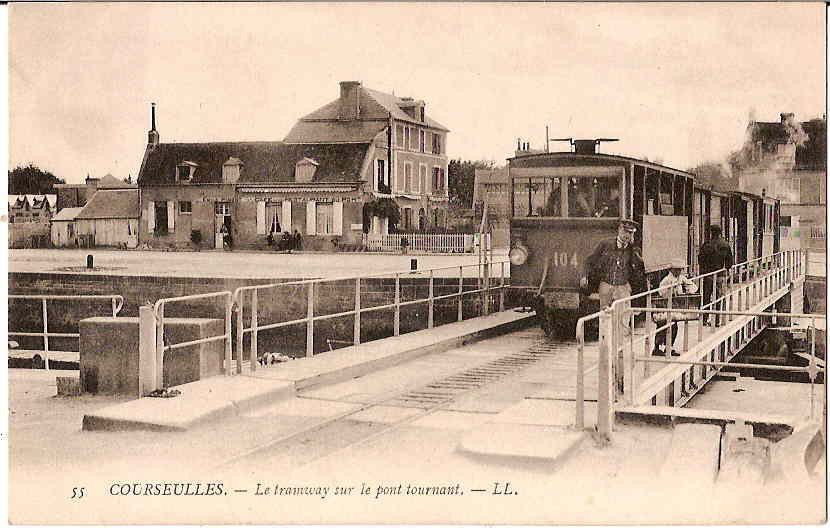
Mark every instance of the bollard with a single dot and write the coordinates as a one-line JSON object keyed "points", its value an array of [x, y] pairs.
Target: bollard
{"points": [[89, 261], [413, 264]]}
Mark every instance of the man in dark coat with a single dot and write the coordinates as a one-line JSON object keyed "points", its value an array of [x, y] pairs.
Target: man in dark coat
{"points": [[615, 267], [715, 254]]}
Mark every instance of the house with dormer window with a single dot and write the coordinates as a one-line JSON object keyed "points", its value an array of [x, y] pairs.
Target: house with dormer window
{"points": [[335, 164]]}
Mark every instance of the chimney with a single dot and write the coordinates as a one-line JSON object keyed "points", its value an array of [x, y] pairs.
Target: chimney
{"points": [[152, 135], [349, 99]]}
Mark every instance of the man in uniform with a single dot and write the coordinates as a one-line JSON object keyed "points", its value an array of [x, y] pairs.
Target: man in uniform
{"points": [[715, 254], [615, 266]]}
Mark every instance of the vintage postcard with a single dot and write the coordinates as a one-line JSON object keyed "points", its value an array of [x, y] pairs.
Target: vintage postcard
{"points": [[416, 263]]}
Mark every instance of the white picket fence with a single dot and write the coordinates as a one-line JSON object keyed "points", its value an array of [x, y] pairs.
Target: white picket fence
{"points": [[440, 243]]}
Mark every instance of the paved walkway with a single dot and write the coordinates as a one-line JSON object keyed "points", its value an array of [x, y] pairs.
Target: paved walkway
{"points": [[236, 264]]}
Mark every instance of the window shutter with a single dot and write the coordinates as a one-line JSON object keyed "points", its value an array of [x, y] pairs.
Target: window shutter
{"points": [[375, 175], [171, 216], [286, 216], [260, 218], [311, 218], [338, 218], [151, 217]]}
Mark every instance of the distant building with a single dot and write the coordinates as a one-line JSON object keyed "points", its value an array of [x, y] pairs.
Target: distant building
{"points": [[64, 231], [316, 182], [788, 159], [110, 219], [78, 194], [26, 208], [492, 188]]}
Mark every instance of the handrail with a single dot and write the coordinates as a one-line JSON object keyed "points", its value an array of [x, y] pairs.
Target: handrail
{"points": [[116, 301], [779, 269], [161, 346], [485, 288]]}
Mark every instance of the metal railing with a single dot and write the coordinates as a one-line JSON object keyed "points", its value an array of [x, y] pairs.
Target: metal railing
{"points": [[431, 243], [768, 275], [116, 302], [484, 287], [161, 342]]}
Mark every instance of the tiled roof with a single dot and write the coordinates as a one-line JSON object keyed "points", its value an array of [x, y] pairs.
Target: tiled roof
{"points": [[391, 103], [36, 201], [111, 182], [67, 213], [111, 203], [335, 131], [262, 161], [375, 107]]}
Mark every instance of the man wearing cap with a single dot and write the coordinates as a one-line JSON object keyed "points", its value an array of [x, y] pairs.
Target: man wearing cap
{"points": [[615, 266], [675, 283], [715, 254]]}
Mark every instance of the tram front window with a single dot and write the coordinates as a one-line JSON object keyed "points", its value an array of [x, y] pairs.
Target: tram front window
{"points": [[594, 197]]}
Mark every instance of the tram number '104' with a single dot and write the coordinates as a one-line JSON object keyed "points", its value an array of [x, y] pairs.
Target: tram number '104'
{"points": [[563, 258]]}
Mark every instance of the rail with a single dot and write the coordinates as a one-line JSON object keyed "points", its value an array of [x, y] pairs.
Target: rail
{"points": [[430, 243], [116, 301], [484, 287], [162, 346]]}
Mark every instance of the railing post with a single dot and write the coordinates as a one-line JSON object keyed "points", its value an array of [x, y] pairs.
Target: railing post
{"points": [[147, 377], [357, 311], [431, 316], [605, 374], [240, 327], [309, 330], [159, 359], [397, 324], [45, 336], [460, 293], [254, 330], [228, 344], [580, 377], [501, 289]]}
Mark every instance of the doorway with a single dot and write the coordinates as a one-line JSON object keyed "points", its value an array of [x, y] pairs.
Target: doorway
{"points": [[223, 228]]}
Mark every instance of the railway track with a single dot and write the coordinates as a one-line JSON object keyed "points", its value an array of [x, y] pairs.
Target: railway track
{"points": [[426, 399]]}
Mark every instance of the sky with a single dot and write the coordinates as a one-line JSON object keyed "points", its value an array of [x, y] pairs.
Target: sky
{"points": [[674, 82]]}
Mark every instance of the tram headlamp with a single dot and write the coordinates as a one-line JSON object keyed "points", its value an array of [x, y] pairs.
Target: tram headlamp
{"points": [[518, 255]]}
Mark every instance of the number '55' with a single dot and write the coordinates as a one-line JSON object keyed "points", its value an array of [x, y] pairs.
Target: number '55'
{"points": [[77, 493]]}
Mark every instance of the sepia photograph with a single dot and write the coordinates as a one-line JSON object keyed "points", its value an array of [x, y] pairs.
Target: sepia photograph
{"points": [[442, 263]]}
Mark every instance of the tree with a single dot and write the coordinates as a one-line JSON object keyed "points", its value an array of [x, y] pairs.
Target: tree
{"points": [[461, 179], [32, 180]]}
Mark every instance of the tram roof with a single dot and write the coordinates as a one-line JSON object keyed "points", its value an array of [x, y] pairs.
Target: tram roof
{"points": [[600, 156]]}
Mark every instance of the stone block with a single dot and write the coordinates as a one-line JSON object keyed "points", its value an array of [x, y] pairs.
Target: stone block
{"points": [[109, 360]]}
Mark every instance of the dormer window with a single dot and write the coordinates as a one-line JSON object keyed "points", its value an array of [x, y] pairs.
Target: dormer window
{"points": [[304, 170], [231, 170], [185, 171]]}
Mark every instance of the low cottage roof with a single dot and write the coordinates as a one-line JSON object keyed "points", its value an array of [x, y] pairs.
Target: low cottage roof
{"points": [[262, 162], [67, 214], [111, 203]]}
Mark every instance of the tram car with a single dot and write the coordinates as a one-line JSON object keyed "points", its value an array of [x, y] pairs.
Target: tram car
{"points": [[564, 203]]}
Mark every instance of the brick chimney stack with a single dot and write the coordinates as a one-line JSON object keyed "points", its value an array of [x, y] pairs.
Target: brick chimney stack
{"points": [[153, 135], [349, 99]]}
